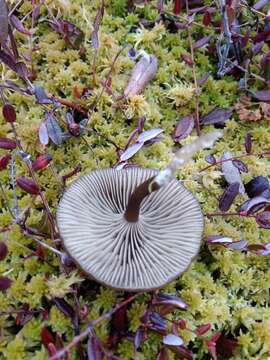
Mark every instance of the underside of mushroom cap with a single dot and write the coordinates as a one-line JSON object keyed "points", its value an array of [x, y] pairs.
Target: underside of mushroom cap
{"points": [[131, 256]]}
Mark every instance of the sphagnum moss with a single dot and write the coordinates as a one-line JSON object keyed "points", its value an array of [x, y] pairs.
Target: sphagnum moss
{"points": [[231, 290]]}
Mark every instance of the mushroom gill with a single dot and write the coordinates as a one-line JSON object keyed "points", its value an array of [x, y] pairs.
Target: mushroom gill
{"points": [[141, 255]]}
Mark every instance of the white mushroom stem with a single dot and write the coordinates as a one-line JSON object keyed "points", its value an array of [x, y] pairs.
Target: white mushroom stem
{"points": [[163, 178], [184, 155]]}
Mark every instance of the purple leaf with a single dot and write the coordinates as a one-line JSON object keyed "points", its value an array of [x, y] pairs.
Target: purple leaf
{"points": [[143, 72], [5, 283], [28, 185], [138, 337], [210, 159], [3, 250], [167, 299], [225, 347], [202, 42], [218, 115], [132, 54], [18, 67], [163, 355], [7, 144], [64, 307], [141, 123], [183, 128], [4, 160], [260, 4], [240, 165], [41, 96], [262, 95], [228, 196], [172, 340], [257, 186], [9, 113], [132, 150], [187, 59], [3, 21], [218, 239], [182, 352], [248, 143], [72, 35], [43, 134], [203, 80], [94, 350], [19, 25], [238, 245], [157, 320], [261, 36], [148, 135], [54, 130], [253, 205], [263, 219], [230, 172]]}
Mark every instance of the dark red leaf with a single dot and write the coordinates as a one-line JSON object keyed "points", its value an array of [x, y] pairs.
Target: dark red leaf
{"points": [[182, 352], [46, 337], [163, 355], [218, 115], [52, 349], [167, 299], [177, 7], [74, 129], [53, 128], [187, 59], [228, 196], [202, 42], [139, 335], [72, 35], [119, 320], [248, 143], [41, 162], [260, 4], [211, 345], [263, 219], [5, 283], [240, 165], [24, 316], [206, 18], [27, 185], [183, 128], [257, 186], [4, 160], [257, 248], [19, 25], [3, 250], [64, 307], [210, 159], [262, 95], [261, 36], [253, 205], [7, 144], [203, 329], [3, 21], [182, 324], [9, 113], [94, 351], [225, 347]]}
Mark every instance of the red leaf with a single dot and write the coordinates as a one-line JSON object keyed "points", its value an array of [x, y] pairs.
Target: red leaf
{"points": [[19, 25], [28, 185], [46, 337], [228, 196], [177, 7], [225, 347], [248, 143], [163, 355], [94, 351], [52, 350], [69, 32], [183, 128], [9, 113], [7, 144], [4, 160], [187, 59], [211, 345], [201, 330], [206, 18], [42, 162], [167, 299], [3, 250], [5, 283]]}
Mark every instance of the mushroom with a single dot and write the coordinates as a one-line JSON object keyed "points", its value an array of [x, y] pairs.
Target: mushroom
{"points": [[134, 229]]}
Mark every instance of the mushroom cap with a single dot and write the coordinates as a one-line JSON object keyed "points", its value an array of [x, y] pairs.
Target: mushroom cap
{"points": [[131, 256]]}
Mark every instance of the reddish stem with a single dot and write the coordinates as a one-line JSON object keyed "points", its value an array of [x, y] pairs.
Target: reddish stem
{"points": [[72, 105]]}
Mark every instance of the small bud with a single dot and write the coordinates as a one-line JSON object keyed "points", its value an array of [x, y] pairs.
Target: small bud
{"points": [[9, 113], [74, 129], [28, 185], [5, 283], [3, 250], [41, 162], [7, 144], [4, 160]]}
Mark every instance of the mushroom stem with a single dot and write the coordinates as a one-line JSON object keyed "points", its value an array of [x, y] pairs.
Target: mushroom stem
{"points": [[181, 157]]}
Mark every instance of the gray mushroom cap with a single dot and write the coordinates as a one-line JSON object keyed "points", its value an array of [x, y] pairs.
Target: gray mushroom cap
{"points": [[131, 256]]}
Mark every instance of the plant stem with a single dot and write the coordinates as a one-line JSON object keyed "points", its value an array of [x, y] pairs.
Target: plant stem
{"points": [[93, 323]]}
